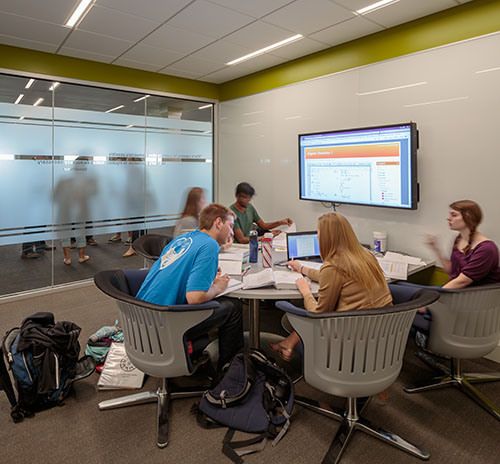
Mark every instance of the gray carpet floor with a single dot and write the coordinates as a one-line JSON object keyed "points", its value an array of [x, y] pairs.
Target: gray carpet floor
{"points": [[445, 422]]}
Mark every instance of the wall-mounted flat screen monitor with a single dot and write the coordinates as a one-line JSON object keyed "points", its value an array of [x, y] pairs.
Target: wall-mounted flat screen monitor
{"points": [[371, 166]]}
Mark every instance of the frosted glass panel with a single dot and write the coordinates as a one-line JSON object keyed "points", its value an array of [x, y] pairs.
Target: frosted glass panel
{"points": [[79, 164]]}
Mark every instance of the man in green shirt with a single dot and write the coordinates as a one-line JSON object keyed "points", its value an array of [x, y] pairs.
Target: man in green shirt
{"points": [[246, 214]]}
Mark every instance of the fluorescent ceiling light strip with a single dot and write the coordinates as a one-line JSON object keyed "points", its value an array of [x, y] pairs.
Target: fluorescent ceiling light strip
{"points": [[29, 84], [129, 126], [390, 89], [375, 6], [40, 100], [19, 98], [488, 70], [54, 86], [266, 49], [78, 13], [204, 106], [434, 102], [114, 109], [141, 98], [21, 118]]}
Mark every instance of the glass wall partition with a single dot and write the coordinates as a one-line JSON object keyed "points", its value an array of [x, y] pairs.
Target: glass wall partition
{"points": [[85, 170]]}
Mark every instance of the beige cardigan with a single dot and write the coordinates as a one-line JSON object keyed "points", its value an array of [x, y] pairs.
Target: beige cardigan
{"points": [[337, 292]]}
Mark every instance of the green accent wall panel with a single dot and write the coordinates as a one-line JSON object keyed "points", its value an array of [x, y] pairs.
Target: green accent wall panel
{"points": [[466, 21]]}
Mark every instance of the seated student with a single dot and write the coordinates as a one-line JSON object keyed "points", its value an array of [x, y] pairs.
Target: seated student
{"points": [[186, 272], [246, 214], [350, 277], [195, 202], [474, 258]]}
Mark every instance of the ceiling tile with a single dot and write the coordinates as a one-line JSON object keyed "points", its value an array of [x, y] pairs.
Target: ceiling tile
{"points": [[305, 18], [223, 75], [172, 71], [354, 5], [407, 10], [58, 11], [157, 10], [210, 19], [113, 23], [346, 31], [182, 40], [258, 35], [68, 51], [195, 65], [299, 48], [31, 44], [154, 56], [97, 43], [221, 52], [136, 64], [255, 8], [31, 29]]}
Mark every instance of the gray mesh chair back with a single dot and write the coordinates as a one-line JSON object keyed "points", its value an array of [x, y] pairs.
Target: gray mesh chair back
{"points": [[150, 246], [154, 340], [357, 354], [465, 325]]}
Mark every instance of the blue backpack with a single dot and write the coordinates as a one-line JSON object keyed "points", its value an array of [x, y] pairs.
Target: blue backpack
{"points": [[255, 395]]}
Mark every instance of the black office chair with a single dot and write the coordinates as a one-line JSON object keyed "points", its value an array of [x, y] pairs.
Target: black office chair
{"points": [[150, 246], [357, 354], [465, 325], [154, 341]]}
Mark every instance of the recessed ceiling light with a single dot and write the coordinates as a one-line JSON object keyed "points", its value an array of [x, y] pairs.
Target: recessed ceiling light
{"points": [[29, 84], [375, 6], [40, 100], [54, 85], [80, 11], [204, 106], [141, 98], [266, 49], [114, 109], [19, 98]]}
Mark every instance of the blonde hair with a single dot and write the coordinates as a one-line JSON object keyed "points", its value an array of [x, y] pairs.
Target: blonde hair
{"points": [[338, 244]]}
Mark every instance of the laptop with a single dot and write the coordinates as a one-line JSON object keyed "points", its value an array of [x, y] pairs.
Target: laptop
{"points": [[303, 246]]}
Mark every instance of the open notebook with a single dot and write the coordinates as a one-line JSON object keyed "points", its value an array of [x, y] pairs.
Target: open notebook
{"points": [[282, 280]]}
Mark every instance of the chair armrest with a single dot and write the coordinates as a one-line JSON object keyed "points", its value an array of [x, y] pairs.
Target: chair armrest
{"points": [[292, 309], [193, 307]]}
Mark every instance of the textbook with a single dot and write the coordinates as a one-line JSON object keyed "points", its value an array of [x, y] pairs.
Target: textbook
{"points": [[282, 280], [232, 286]]}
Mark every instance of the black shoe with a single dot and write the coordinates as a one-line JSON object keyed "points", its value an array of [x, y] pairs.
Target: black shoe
{"points": [[30, 255]]}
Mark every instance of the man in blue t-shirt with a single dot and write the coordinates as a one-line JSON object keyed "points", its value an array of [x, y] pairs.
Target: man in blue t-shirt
{"points": [[186, 272]]}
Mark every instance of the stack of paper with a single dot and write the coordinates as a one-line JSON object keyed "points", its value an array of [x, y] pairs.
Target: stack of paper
{"points": [[231, 260]]}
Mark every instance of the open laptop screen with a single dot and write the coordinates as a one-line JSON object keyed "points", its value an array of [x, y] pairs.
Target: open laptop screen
{"points": [[302, 245]]}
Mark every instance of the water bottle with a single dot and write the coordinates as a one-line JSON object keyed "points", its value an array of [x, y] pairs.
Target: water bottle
{"points": [[267, 250], [254, 245]]}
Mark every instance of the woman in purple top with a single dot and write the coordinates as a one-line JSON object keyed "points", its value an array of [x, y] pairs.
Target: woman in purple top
{"points": [[474, 258]]}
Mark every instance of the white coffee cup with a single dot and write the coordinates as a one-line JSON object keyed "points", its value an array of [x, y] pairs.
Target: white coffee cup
{"points": [[380, 242]]}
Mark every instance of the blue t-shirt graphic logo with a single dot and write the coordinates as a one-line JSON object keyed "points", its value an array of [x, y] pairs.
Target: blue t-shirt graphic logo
{"points": [[179, 248]]}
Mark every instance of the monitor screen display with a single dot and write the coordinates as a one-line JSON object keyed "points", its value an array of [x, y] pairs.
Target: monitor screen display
{"points": [[373, 166], [302, 245]]}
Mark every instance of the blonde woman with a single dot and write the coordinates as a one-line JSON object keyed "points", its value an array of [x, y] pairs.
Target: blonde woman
{"points": [[350, 277]]}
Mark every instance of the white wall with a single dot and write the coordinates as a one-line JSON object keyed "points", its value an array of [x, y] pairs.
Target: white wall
{"points": [[457, 112]]}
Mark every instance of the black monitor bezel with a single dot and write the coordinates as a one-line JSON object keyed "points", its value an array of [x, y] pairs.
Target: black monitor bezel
{"points": [[413, 165]]}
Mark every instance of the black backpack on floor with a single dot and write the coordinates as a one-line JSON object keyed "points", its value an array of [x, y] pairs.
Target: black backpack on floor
{"points": [[39, 363], [255, 395]]}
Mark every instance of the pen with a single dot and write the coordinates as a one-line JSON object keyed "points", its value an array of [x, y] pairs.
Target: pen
{"points": [[245, 271]]}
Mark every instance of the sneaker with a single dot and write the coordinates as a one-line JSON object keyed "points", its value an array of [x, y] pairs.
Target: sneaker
{"points": [[421, 340], [92, 242], [115, 239]]}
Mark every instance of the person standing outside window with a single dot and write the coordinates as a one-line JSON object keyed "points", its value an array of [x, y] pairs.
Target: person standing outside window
{"points": [[246, 214]]}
